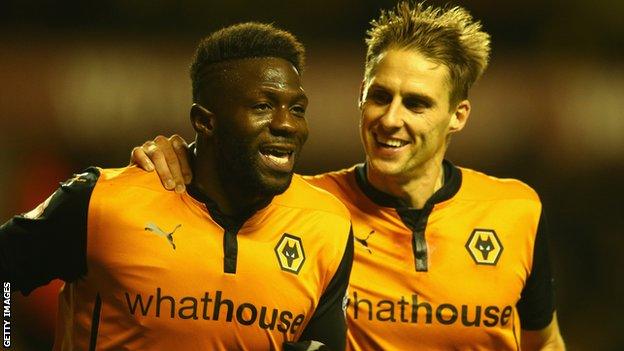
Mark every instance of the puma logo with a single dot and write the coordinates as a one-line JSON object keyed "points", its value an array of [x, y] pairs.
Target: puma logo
{"points": [[485, 246], [291, 253], [364, 241], [151, 227]]}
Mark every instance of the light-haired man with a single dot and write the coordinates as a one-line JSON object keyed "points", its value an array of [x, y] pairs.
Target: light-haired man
{"points": [[446, 257]]}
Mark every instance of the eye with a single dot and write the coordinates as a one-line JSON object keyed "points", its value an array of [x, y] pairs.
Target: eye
{"points": [[415, 105], [262, 107], [379, 97], [298, 110]]}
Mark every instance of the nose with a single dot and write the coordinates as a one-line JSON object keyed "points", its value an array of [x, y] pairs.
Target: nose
{"points": [[283, 122], [392, 116]]}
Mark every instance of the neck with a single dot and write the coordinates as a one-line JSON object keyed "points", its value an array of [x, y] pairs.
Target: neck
{"points": [[414, 188], [229, 198]]}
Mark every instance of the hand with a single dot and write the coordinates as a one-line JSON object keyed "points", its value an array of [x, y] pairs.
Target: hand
{"points": [[169, 156]]}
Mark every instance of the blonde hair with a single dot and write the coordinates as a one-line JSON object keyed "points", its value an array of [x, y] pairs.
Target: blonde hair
{"points": [[447, 36]]}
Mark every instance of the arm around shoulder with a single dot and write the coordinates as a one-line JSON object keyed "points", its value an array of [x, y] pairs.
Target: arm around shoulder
{"points": [[169, 157]]}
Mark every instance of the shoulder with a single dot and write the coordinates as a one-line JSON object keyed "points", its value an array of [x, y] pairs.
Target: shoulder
{"points": [[306, 196], [480, 186], [131, 176], [331, 178], [341, 183], [127, 187]]}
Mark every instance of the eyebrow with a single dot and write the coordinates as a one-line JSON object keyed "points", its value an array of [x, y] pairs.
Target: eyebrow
{"points": [[294, 94]]}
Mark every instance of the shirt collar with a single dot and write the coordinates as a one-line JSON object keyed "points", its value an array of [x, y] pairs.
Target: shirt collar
{"points": [[225, 221], [452, 183]]}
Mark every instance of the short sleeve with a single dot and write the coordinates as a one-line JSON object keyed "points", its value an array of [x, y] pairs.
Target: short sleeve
{"points": [[537, 301], [49, 242], [328, 324]]}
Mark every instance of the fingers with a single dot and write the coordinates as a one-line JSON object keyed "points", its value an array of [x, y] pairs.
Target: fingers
{"points": [[168, 156], [139, 158], [168, 148], [154, 150], [181, 149]]}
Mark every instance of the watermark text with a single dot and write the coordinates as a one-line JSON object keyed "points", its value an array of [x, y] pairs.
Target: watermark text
{"points": [[6, 315]]}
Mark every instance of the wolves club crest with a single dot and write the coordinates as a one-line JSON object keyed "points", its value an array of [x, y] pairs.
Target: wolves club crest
{"points": [[484, 246], [290, 254]]}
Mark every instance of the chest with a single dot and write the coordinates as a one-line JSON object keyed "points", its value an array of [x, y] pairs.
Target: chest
{"points": [[478, 260], [162, 274], [467, 248]]}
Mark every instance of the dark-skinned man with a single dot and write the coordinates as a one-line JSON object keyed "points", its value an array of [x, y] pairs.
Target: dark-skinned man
{"points": [[242, 261]]}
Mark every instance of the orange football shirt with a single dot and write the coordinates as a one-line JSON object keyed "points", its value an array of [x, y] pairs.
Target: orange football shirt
{"points": [[163, 271], [464, 272]]}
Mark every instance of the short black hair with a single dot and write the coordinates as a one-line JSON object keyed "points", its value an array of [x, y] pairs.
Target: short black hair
{"points": [[244, 40]]}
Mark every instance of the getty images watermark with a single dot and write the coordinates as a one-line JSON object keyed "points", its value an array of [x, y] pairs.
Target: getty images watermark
{"points": [[6, 315]]}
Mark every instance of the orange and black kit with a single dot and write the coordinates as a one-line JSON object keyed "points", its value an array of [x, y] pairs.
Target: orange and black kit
{"points": [[467, 271], [148, 269]]}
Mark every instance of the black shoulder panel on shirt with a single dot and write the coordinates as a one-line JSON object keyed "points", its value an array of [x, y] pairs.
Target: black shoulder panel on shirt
{"points": [[328, 324], [50, 241], [537, 301]]}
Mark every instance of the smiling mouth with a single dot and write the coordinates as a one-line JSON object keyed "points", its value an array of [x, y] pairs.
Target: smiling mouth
{"points": [[278, 158], [390, 143]]}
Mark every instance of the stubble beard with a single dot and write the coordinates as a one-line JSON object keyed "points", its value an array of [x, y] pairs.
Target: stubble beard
{"points": [[239, 169]]}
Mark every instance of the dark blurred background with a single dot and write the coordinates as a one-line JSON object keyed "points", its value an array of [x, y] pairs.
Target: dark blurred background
{"points": [[83, 82]]}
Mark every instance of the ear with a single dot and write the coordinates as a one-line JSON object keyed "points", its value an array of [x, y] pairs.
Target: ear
{"points": [[203, 120], [460, 116]]}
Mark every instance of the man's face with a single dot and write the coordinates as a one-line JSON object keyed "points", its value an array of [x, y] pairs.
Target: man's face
{"points": [[405, 114], [260, 125]]}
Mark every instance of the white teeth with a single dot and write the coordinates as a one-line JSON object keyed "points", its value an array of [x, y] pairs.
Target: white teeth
{"points": [[394, 143], [281, 160], [390, 142]]}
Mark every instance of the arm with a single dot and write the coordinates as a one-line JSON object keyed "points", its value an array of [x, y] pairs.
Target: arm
{"points": [[48, 242], [547, 339], [328, 324], [536, 307], [169, 157]]}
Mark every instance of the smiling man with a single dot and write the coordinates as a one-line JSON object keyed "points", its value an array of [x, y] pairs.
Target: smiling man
{"points": [[446, 257], [250, 258]]}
